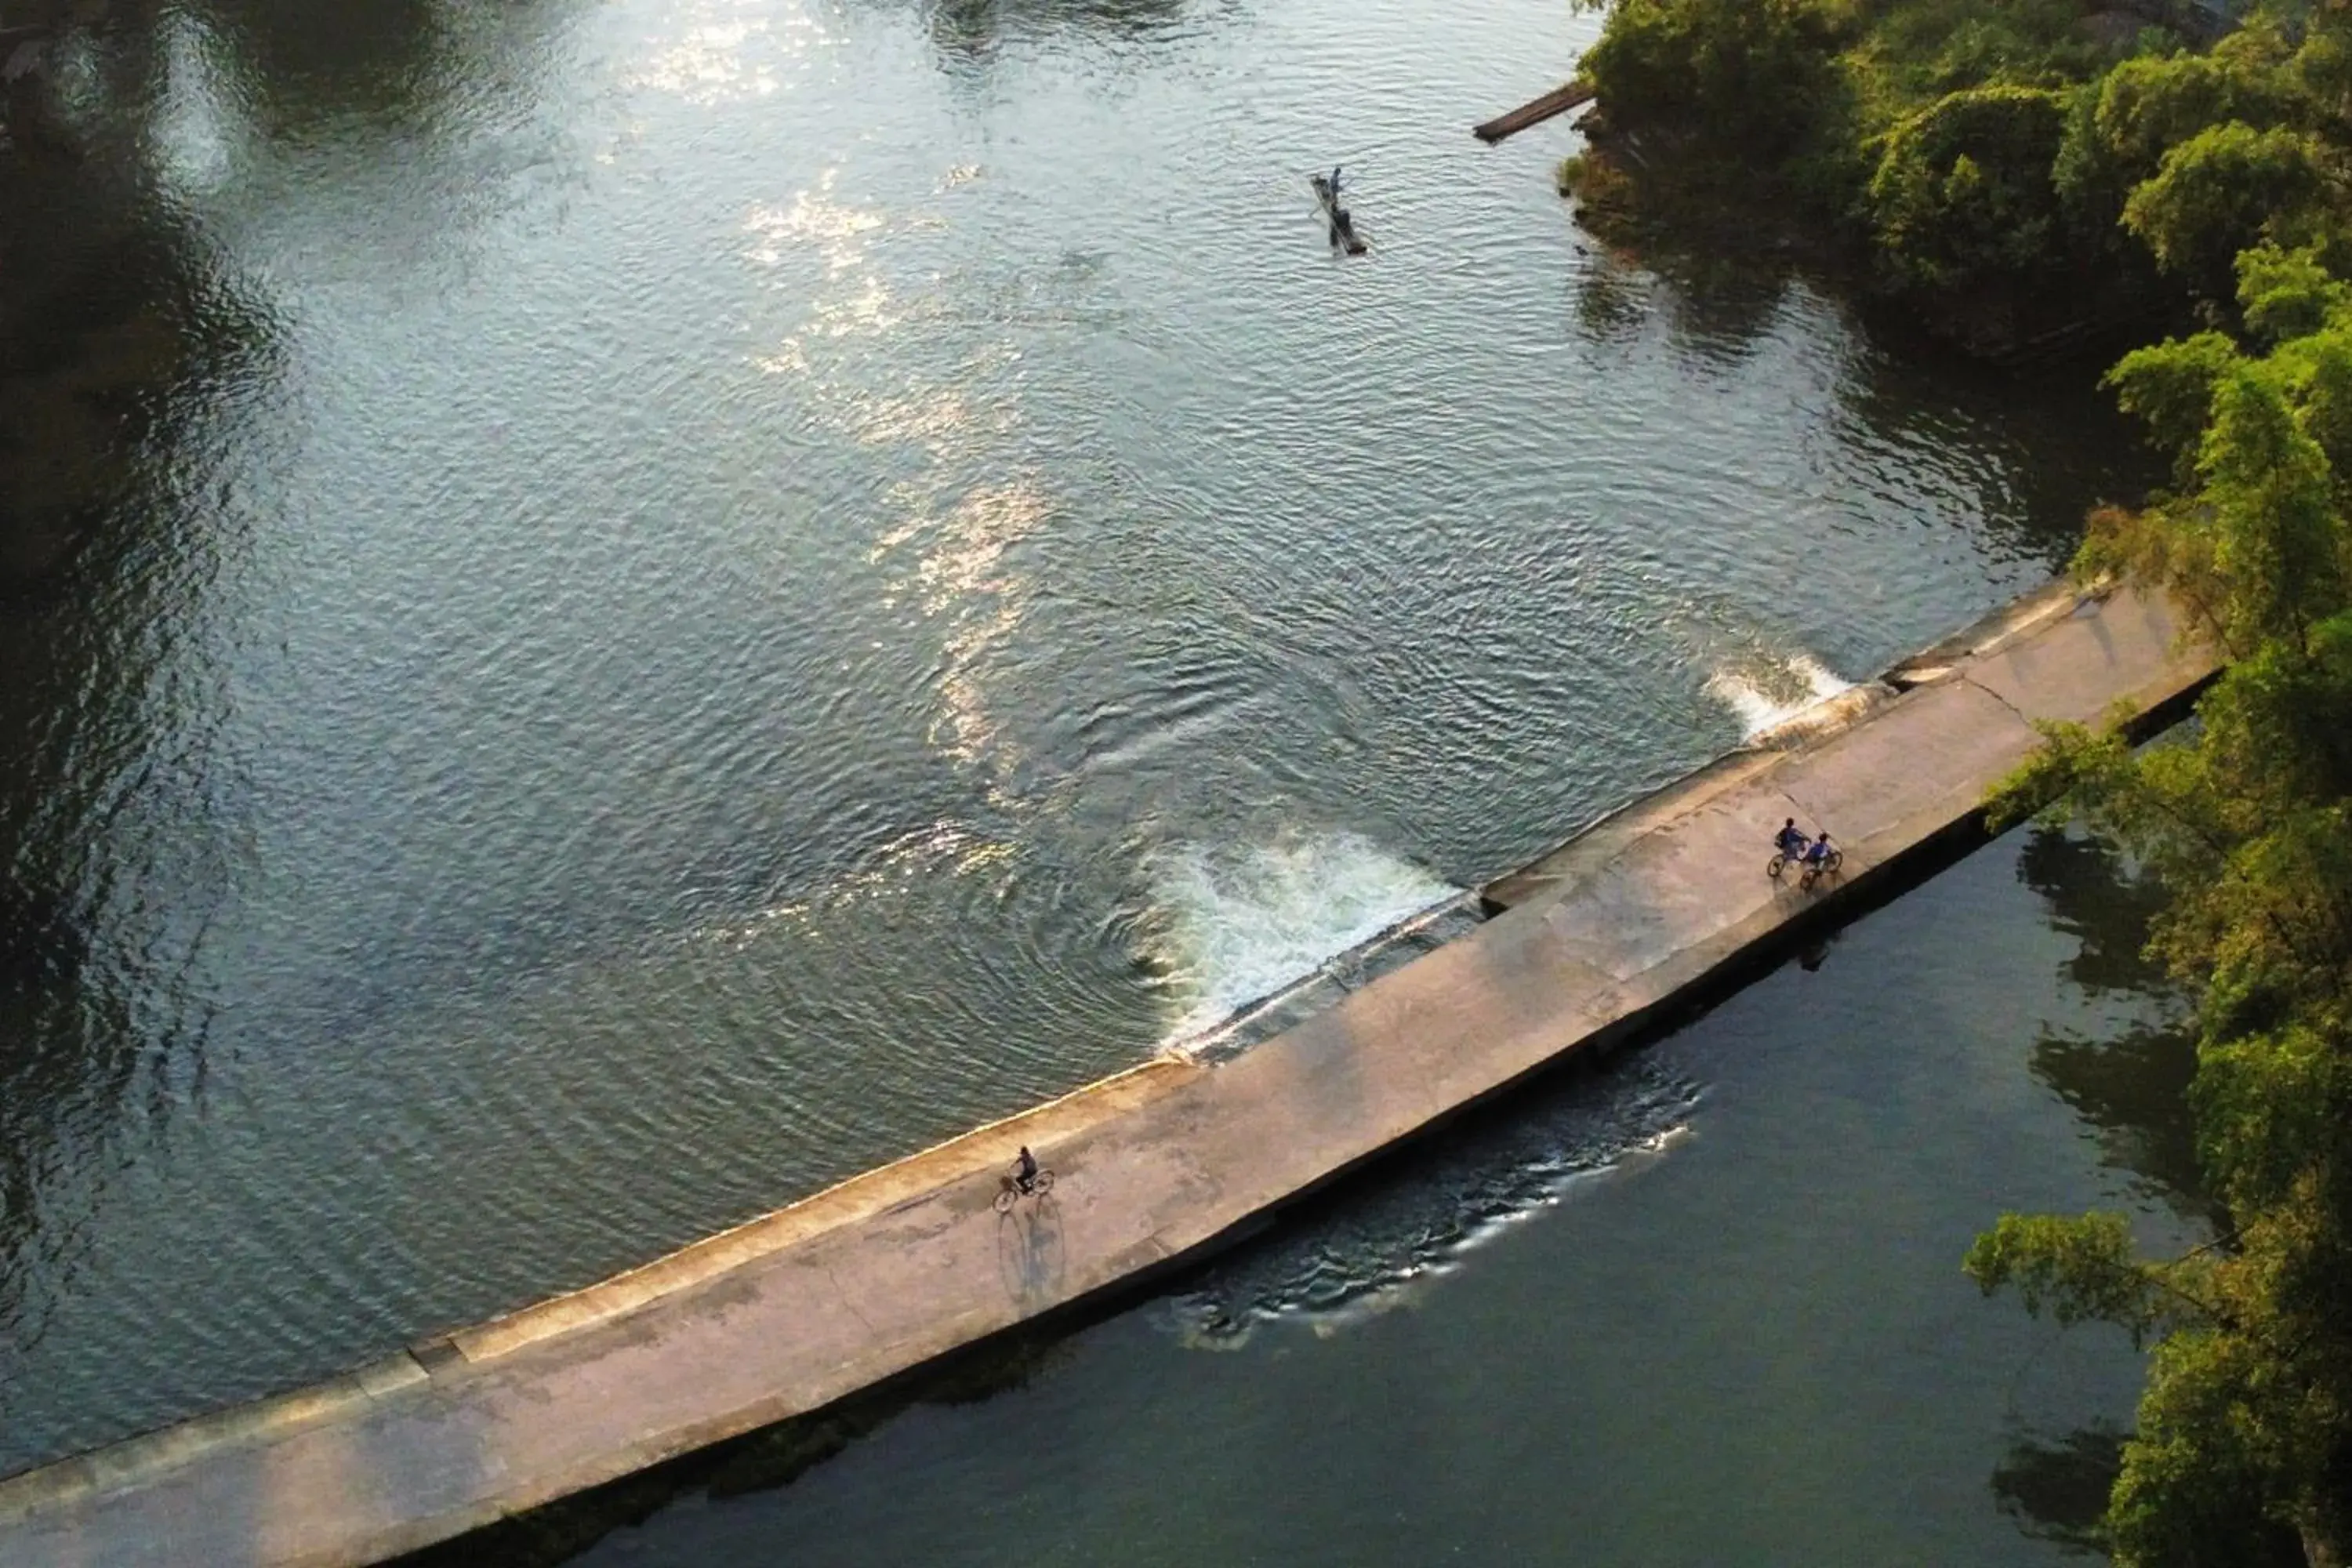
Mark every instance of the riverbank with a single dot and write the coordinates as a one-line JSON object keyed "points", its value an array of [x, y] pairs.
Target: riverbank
{"points": [[1158, 1164]]}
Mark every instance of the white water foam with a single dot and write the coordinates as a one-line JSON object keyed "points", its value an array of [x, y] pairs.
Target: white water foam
{"points": [[1769, 689], [1241, 926]]}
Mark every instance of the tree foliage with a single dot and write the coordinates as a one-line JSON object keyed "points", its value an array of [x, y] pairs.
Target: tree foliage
{"points": [[1991, 157], [2149, 104], [2225, 189], [1963, 187], [2243, 1452], [1757, 77]]}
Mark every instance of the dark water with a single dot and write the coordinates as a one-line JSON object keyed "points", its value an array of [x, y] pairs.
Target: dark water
{"points": [[610, 612], [1702, 1307]]}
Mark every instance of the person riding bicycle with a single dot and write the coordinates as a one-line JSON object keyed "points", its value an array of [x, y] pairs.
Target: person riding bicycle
{"points": [[1024, 1175], [1791, 840], [1818, 855]]}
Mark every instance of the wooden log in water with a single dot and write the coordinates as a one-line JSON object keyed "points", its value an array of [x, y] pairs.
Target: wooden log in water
{"points": [[1559, 101]]}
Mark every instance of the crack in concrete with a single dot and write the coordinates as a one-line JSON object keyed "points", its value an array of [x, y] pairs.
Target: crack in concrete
{"points": [[1997, 697], [1796, 808], [855, 1310]]}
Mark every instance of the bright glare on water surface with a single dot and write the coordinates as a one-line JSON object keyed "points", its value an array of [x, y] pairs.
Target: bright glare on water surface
{"points": [[708, 593]]}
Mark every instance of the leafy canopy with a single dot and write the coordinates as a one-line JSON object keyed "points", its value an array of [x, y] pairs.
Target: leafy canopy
{"points": [[2003, 158], [2243, 1452]]}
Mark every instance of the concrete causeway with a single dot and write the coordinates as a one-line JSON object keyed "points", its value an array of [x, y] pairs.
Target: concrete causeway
{"points": [[886, 1271]]}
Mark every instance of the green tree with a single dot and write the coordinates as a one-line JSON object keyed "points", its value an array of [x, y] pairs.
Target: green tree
{"points": [[2120, 129], [2287, 294], [2169, 387], [2243, 1451], [1963, 193], [1920, 133], [1757, 77], [2229, 187]]}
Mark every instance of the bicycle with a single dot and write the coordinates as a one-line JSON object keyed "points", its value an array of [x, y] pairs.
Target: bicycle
{"points": [[1011, 1189], [1810, 869]]}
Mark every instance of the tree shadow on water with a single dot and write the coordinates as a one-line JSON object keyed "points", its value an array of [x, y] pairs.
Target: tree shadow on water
{"points": [[2134, 1091], [2038, 445], [1718, 310], [2094, 898], [2131, 1086], [972, 29], [2057, 1491], [1612, 299], [1723, 308], [132, 342]]}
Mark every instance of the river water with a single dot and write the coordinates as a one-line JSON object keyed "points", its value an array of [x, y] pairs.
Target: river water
{"points": [[609, 613], [1702, 1307]]}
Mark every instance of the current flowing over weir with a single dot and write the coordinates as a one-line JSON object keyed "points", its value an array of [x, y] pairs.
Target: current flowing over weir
{"points": [[1642, 911]]}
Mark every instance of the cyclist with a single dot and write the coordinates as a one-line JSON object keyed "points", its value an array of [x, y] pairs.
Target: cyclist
{"points": [[1025, 1175], [1791, 840], [1818, 855]]}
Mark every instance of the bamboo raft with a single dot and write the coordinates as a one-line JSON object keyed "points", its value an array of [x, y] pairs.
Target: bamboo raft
{"points": [[1344, 234], [1559, 101]]}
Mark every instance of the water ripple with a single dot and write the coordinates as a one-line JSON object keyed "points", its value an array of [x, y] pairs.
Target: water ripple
{"points": [[640, 607]]}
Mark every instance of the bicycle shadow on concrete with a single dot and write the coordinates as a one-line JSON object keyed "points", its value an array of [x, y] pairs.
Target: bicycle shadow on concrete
{"points": [[1031, 1258]]}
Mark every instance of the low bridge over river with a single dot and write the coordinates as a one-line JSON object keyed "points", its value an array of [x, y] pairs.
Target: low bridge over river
{"points": [[816, 1301]]}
